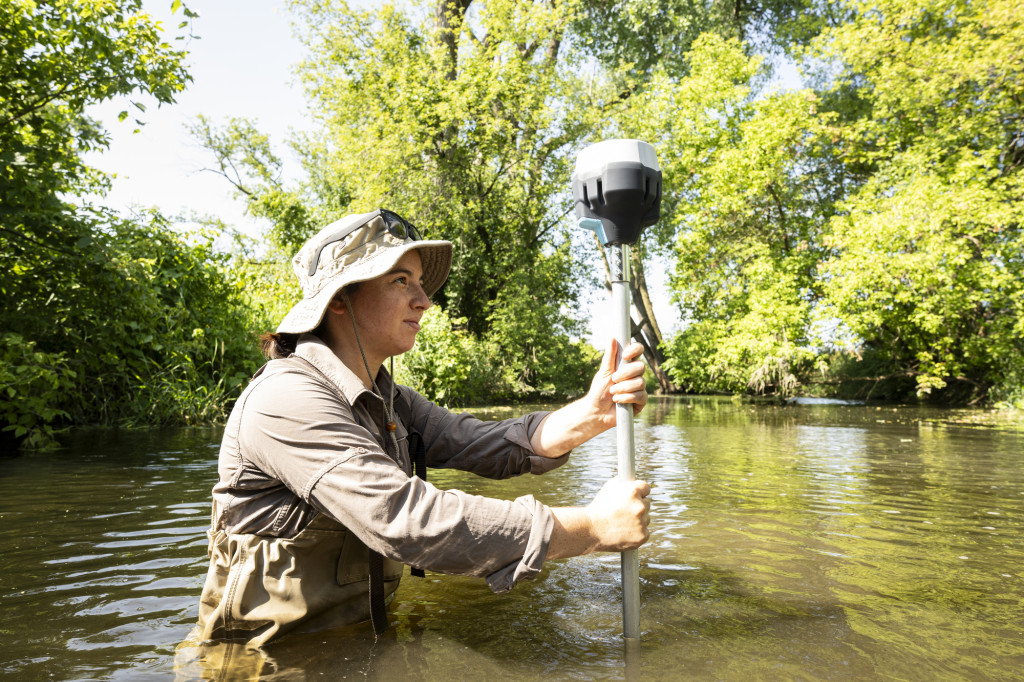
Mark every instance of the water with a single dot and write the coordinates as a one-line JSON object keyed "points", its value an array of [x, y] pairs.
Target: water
{"points": [[802, 542]]}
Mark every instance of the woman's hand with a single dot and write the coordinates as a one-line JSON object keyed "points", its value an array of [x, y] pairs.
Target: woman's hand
{"points": [[616, 520], [620, 513], [611, 386], [594, 413]]}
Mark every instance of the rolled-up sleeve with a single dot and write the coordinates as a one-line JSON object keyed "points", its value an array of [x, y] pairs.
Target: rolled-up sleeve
{"points": [[532, 561], [319, 452]]}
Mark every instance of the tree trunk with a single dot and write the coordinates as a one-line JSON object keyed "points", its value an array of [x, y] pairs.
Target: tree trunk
{"points": [[647, 330], [643, 324], [448, 18]]}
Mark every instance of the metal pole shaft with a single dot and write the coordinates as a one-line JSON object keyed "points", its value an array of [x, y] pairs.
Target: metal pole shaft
{"points": [[619, 257]]}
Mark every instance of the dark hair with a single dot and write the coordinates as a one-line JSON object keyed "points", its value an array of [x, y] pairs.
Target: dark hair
{"points": [[274, 345]]}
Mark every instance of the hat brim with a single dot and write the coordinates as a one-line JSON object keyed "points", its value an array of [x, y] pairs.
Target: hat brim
{"points": [[436, 259]]}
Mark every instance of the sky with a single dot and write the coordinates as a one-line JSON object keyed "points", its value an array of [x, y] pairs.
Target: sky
{"points": [[242, 66]]}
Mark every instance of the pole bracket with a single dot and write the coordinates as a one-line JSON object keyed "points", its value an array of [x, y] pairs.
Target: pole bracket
{"points": [[595, 226]]}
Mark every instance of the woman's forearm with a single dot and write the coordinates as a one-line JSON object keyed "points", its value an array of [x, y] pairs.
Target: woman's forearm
{"points": [[573, 534]]}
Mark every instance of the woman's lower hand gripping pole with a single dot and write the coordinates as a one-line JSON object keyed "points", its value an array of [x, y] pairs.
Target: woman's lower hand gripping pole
{"points": [[616, 520]]}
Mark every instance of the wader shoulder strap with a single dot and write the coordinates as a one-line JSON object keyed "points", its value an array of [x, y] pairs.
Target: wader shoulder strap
{"points": [[378, 614], [417, 450], [419, 454], [419, 458]]}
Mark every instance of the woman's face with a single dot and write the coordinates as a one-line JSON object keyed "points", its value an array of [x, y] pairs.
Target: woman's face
{"points": [[388, 309]]}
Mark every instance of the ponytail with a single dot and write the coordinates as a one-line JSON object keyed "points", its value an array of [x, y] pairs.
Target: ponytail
{"points": [[274, 346]]}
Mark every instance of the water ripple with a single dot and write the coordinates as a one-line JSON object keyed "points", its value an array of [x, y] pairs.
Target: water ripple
{"points": [[805, 542]]}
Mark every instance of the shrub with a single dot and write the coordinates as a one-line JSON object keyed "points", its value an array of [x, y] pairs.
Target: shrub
{"points": [[33, 386], [451, 366]]}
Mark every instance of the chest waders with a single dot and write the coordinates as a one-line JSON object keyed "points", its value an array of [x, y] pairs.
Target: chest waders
{"points": [[376, 572]]}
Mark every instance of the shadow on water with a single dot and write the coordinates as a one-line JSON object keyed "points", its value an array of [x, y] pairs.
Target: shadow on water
{"points": [[830, 542]]}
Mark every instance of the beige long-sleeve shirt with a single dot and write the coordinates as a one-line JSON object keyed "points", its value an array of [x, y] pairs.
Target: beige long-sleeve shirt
{"points": [[303, 450]]}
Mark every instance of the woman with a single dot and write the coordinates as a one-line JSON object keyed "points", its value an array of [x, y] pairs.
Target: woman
{"points": [[317, 508]]}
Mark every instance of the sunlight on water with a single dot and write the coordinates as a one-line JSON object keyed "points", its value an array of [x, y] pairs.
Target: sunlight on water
{"points": [[798, 542]]}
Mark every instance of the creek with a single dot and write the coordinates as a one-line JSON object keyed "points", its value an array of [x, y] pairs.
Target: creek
{"points": [[821, 541]]}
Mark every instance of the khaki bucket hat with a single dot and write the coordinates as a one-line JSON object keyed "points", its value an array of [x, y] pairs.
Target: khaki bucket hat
{"points": [[358, 248]]}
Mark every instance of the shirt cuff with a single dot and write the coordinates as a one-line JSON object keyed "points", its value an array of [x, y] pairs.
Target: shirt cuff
{"points": [[532, 561], [520, 433]]}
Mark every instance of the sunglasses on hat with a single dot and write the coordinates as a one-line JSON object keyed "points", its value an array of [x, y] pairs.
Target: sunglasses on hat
{"points": [[397, 226]]}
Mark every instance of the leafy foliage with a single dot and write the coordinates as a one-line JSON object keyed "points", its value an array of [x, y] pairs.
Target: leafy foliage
{"points": [[469, 129], [57, 58], [474, 144], [31, 385], [929, 252], [866, 233], [247, 160], [106, 319], [646, 36], [744, 206], [453, 367], [446, 365], [878, 217], [137, 308]]}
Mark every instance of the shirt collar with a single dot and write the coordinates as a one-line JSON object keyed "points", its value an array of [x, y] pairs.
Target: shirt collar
{"points": [[317, 353]]}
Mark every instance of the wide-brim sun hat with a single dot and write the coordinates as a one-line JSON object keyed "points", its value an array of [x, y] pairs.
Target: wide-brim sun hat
{"points": [[358, 248]]}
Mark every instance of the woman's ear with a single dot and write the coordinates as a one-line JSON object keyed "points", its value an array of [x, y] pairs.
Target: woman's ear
{"points": [[337, 306]]}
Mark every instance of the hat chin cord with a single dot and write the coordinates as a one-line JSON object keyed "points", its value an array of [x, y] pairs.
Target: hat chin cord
{"points": [[389, 406]]}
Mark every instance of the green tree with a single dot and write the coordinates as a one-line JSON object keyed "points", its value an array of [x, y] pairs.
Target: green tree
{"points": [[465, 121], [105, 318], [747, 194], [928, 264], [245, 158], [467, 117], [882, 208], [57, 58], [468, 123], [640, 37]]}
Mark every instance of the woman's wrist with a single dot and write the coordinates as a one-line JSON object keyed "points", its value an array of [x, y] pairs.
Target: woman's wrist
{"points": [[564, 429], [615, 520], [573, 533]]}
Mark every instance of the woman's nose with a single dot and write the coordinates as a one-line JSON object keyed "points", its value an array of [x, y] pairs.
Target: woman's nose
{"points": [[421, 300]]}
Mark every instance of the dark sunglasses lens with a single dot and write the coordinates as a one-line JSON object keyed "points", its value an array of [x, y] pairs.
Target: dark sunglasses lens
{"points": [[411, 229], [399, 227]]}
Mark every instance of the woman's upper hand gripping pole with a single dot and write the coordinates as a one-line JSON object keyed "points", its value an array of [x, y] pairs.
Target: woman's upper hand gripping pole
{"points": [[619, 384], [594, 413]]}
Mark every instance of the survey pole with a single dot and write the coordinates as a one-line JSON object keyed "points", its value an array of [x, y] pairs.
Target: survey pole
{"points": [[617, 192], [625, 444]]}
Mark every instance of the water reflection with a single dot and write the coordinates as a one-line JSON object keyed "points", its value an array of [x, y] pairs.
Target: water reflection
{"points": [[789, 542]]}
